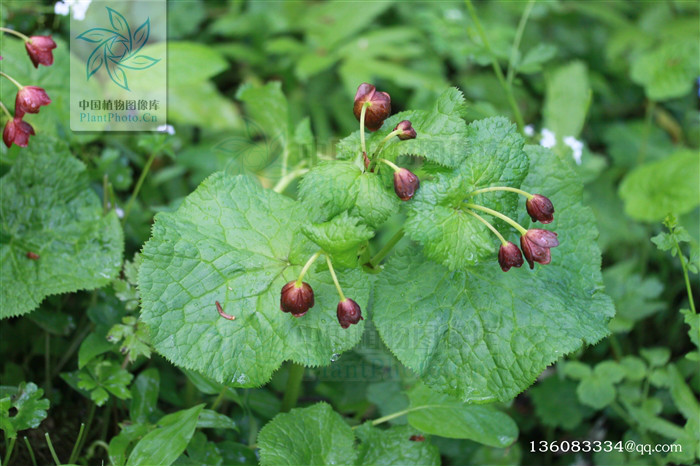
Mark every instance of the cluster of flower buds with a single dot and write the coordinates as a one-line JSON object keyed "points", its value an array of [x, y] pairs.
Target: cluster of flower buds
{"points": [[371, 108], [29, 98], [535, 242], [297, 297]]}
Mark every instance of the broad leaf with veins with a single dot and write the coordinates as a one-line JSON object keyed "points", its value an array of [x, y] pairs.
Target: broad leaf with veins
{"points": [[481, 334], [234, 242]]}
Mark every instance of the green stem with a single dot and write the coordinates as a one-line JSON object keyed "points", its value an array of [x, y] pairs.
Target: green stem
{"points": [[31, 451], [88, 424], [490, 227], [71, 350], [496, 67], [502, 188], [684, 266], [53, 452], [15, 33], [10, 448], [311, 260], [74, 453], [6, 111], [19, 86], [391, 416], [384, 141], [392, 165], [335, 279], [387, 248], [505, 218], [516, 42], [139, 183], [288, 178], [291, 393], [362, 126]]}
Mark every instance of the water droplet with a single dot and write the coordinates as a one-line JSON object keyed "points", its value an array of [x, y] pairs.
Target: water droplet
{"points": [[242, 379], [334, 357]]}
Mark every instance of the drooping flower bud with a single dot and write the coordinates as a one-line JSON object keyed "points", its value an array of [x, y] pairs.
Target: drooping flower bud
{"points": [[536, 244], [405, 184], [540, 208], [296, 299], [407, 130], [17, 132], [509, 256], [378, 110], [29, 99], [40, 49], [348, 313]]}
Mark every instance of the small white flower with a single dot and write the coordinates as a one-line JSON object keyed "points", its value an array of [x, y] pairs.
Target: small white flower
{"points": [[80, 8], [529, 130], [61, 8], [549, 139], [166, 129], [576, 147], [119, 211]]}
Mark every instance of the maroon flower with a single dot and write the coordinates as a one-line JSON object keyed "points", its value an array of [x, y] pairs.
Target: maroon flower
{"points": [[509, 256], [29, 99], [296, 299], [348, 312], [40, 50], [378, 110], [405, 184], [540, 208], [536, 244], [408, 131], [17, 132]]}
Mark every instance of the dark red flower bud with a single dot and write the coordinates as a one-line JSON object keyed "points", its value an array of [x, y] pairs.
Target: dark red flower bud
{"points": [[408, 131], [378, 110], [17, 132], [405, 184], [509, 256], [348, 313], [40, 50], [540, 208], [296, 299], [29, 99], [536, 244]]}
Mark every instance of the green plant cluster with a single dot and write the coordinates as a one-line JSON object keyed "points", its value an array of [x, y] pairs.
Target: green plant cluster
{"points": [[144, 275]]}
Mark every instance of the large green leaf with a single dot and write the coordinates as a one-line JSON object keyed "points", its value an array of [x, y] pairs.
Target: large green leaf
{"points": [[436, 218], [314, 435], [394, 447], [438, 414], [268, 108], [233, 242], [668, 70], [163, 445], [482, 334], [656, 189], [47, 208]]}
